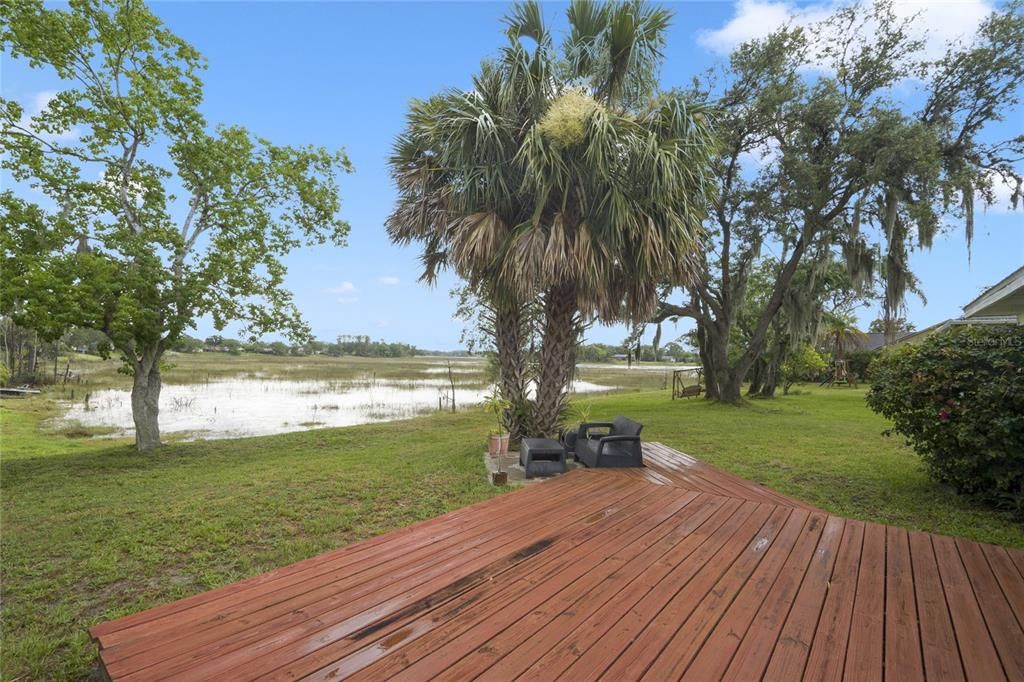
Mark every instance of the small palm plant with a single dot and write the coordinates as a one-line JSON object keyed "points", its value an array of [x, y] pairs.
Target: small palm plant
{"points": [[582, 410]]}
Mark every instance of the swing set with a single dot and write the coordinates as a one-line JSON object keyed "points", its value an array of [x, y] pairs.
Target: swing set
{"points": [[840, 375], [682, 389]]}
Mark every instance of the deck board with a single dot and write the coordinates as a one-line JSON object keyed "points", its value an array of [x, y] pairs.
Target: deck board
{"points": [[679, 570], [865, 659], [902, 634], [671, 467], [938, 641]]}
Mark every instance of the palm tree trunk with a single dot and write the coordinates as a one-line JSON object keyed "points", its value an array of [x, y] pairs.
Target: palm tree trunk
{"points": [[510, 335], [561, 335]]}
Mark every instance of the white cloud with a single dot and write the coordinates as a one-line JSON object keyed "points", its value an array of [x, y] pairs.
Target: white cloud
{"points": [[755, 19], [936, 22], [1001, 192], [388, 280], [35, 104], [343, 288], [762, 156], [40, 101], [347, 292]]}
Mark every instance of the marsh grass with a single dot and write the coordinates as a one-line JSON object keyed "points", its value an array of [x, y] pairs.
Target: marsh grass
{"points": [[76, 430], [94, 373], [198, 368]]}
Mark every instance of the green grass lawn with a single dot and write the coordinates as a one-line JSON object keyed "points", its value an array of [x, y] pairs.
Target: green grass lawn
{"points": [[93, 530]]}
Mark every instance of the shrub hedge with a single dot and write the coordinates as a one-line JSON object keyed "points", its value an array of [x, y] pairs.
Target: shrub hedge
{"points": [[958, 398]]}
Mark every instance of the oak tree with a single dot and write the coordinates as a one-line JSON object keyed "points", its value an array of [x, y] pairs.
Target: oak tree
{"points": [[130, 215]]}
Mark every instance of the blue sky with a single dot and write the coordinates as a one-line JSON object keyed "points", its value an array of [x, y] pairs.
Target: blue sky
{"points": [[341, 74]]}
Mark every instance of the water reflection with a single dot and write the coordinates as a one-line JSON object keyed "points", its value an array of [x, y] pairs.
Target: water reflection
{"points": [[232, 408]]}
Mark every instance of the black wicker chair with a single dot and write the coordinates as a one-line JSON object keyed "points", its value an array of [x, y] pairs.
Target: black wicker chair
{"points": [[619, 446]]}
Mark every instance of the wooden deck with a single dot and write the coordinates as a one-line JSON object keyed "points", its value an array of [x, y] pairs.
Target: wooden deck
{"points": [[665, 466], [679, 571]]}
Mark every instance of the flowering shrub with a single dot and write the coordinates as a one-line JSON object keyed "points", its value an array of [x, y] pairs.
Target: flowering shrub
{"points": [[958, 398]]}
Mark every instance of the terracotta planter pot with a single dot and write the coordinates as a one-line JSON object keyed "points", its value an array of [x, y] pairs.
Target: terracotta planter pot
{"points": [[499, 477], [494, 446], [504, 444]]}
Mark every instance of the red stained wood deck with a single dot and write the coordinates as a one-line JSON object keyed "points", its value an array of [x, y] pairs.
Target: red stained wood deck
{"points": [[677, 571], [665, 466]]}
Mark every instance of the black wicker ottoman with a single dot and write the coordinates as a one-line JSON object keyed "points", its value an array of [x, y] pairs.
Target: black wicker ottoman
{"points": [[541, 456]]}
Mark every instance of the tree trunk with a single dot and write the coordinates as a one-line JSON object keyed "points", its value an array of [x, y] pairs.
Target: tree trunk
{"points": [[728, 381], [510, 334], [35, 355], [146, 387], [561, 334], [710, 377], [773, 366], [757, 376], [729, 387], [771, 382]]}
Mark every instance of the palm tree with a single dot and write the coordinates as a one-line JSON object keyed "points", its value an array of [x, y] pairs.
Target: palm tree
{"points": [[839, 332], [460, 190], [560, 176]]}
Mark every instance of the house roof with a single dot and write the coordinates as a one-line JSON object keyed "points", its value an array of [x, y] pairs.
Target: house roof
{"points": [[875, 340], [915, 336], [1003, 298]]}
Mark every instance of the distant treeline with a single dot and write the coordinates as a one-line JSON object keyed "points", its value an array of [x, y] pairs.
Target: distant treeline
{"points": [[26, 358], [603, 352], [360, 346]]}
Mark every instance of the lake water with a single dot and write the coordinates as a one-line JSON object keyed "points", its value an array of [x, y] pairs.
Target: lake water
{"points": [[232, 408]]}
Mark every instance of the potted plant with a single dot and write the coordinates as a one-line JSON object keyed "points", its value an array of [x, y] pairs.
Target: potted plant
{"points": [[494, 444], [496, 403]]}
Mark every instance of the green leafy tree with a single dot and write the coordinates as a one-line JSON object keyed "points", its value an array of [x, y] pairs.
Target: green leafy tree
{"points": [[804, 364], [88, 340], [898, 325], [562, 175], [818, 155], [188, 344], [279, 348], [821, 287], [151, 219]]}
